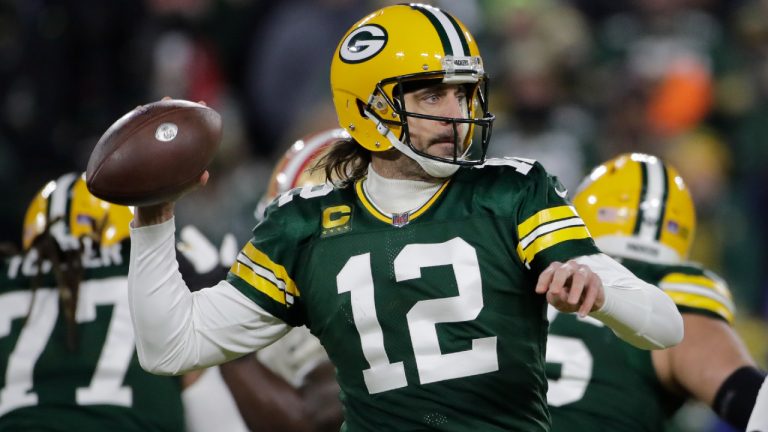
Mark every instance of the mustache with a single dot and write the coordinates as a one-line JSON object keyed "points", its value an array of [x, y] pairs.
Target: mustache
{"points": [[447, 137]]}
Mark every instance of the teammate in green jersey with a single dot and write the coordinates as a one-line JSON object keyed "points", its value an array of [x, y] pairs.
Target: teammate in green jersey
{"points": [[425, 272], [640, 212], [67, 357]]}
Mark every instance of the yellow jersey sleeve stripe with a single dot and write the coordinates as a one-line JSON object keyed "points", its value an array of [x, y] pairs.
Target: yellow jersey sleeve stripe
{"points": [[245, 273], [279, 272], [528, 253], [702, 281], [697, 291], [698, 302], [544, 216]]}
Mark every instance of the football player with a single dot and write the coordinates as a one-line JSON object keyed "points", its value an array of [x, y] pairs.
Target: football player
{"points": [[67, 357], [425, 272], [640, 212]]}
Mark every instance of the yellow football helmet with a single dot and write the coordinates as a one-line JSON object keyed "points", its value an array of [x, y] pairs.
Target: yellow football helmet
{"points": [[635, 206], [70, 212], [395, 49], [294, 169]]}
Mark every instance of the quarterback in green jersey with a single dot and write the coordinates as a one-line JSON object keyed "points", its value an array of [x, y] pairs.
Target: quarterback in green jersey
{"points": [[67, 356], [424, 272], [640, 212]]}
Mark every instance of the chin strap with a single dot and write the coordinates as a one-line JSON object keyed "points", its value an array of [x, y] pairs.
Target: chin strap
{"points": [[432, 167]]}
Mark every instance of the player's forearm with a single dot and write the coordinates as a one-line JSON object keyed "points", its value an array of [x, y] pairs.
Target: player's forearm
{"points": [[176, 330], [636, 311], [152, 215], [265, 400]]}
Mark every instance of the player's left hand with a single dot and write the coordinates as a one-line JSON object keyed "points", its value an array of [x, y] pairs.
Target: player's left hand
{"points": [[571, 287]]}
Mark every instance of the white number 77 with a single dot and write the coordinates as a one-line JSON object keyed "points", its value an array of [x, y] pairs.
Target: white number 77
{"points": [[106, 386], [357, 279]]}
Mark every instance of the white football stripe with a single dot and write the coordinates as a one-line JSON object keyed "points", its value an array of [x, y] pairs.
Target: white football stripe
{"points": [[261, 271], [450, 30], [698, 290], [653, 201], [548, 228]]}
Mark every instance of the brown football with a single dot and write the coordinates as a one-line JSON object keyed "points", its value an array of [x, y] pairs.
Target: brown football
{"points": [[154, 153]]}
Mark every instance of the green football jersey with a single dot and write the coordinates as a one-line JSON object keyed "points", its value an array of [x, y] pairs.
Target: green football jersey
{"points": [[430, 317], [99, 386], [597, 382]]}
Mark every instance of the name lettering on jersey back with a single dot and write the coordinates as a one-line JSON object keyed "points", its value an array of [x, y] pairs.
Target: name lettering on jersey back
{"points": [[306, 192], [92, 257]]}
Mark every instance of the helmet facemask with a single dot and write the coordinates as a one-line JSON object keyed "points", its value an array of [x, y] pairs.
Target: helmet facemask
{"points": [[388, 107]]}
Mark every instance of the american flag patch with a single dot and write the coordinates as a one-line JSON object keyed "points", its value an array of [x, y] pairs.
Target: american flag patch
{"points": [[607, 214], [84, 219], [673, 227]]}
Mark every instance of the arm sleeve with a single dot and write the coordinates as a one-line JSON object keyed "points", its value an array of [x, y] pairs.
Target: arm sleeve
{"points": [[178, 331], [637, 312], [758, 421]]}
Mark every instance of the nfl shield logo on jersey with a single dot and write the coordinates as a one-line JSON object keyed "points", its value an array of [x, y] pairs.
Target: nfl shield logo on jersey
{"points": [[400, 219]]}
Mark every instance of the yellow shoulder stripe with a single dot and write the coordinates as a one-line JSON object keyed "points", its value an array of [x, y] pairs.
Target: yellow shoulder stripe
{"points": [[701, 281], [266, 276], [700, 302], [701, 292], [544, 216], [548, 240]]}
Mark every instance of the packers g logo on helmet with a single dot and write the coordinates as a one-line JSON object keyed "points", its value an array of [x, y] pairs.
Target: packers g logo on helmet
{"points": [[363, 43], [636, 206]]}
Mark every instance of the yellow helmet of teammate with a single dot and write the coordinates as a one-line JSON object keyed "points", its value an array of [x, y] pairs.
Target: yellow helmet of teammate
{"points": [[400, 48], [70, 212], [294, 169], [636, 206]]}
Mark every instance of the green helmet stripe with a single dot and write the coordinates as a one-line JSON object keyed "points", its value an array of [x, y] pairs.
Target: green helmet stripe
{"points": [[453, 40], [653, 196], [664, 198], [643, 193], [462, 38]]}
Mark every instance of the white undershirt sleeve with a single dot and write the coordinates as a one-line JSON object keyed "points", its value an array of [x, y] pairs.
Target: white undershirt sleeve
{"points": [[758, 421], [176, 330], [636, 311]]}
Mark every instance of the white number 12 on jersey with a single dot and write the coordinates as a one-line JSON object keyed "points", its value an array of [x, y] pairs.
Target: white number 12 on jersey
{"points": [[432, 365]]}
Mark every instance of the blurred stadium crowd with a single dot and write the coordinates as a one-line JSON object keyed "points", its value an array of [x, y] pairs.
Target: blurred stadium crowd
{"points": [[574, 82]]}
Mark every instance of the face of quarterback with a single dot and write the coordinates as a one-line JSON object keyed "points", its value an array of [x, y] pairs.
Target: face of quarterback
{"points": [[438, 138]]}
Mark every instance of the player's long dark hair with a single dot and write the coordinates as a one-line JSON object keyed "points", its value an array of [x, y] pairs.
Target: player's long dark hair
{"points": [[67, 267], [345, 162]]}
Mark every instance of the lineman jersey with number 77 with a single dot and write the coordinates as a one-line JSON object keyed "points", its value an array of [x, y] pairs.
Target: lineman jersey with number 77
{"points": [[430, 317], [99, 385]]}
